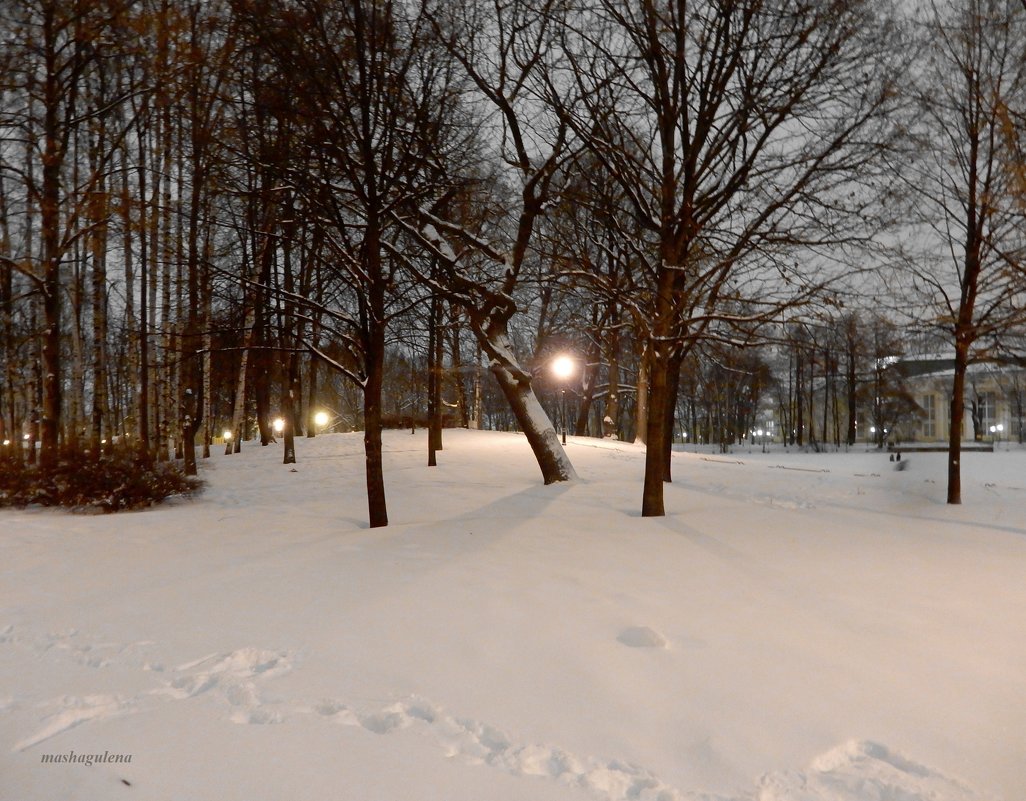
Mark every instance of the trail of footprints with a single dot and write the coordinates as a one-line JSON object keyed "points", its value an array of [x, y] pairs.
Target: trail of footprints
{"points": [[236, 678], [478, 743]]}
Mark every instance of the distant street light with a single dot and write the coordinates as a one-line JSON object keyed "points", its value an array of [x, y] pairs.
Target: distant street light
{"points": [[320, 420], [279, 425], [563, 368], [227, 435]]}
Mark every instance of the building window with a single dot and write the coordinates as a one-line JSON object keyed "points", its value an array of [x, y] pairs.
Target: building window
{"points": [[929, 404], [987, 410]]}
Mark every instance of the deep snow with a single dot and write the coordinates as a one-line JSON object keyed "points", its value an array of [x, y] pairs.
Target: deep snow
{"points": [[800, 627]]}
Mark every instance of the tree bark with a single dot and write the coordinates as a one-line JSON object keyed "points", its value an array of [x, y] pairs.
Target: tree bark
{"points": [[541, 434], [375, 361], [656, 439], [49, 208], [955, 425], [515, 384]]}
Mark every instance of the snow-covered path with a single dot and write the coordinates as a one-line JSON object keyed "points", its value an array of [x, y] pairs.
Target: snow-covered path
{"points": [[799, 628]]}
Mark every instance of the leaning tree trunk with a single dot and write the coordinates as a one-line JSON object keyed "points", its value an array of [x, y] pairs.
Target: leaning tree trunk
{"points": [[531, 417], [515, 384]]}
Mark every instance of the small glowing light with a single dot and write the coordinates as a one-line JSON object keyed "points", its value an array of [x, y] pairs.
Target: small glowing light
{"points": [[1000, 427], [7, 442], [321, 418], [103, 442], [993, 429], [872, 429], [760, 432], [227, 435], [563, 367], [685, 435], [27, 437], [279, 425]]}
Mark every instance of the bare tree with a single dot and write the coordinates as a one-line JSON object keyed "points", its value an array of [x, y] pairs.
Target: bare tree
{"points": [[366, 99], [740, 131], [57, 77], [501, 49], [972, 277]]}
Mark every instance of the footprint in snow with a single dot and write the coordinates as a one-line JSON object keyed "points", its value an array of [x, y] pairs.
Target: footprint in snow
{"points": [[70, 711], [234, 677], [642, 637], [477, 743]]}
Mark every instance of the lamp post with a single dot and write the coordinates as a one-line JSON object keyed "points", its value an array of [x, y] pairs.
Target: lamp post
{"points": [[563, 368]]}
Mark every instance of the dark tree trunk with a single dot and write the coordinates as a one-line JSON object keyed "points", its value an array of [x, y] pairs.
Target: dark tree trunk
{"points": [[670, 410], [434, 381], [659, 391], [955, 426], [376, 504], [289, 416], [49, 208], [852, 401]]}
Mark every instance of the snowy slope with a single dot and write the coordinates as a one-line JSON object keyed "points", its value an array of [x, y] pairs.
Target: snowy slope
{"points": [[800, 628]]}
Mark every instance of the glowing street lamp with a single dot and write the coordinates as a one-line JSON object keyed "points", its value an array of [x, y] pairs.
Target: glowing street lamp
{"points": [[321, 420], [563, 368], [279, 425], [227, 435]]}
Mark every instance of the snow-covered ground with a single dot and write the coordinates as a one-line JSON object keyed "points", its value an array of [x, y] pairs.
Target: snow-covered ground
{"points": [[800, 627]]}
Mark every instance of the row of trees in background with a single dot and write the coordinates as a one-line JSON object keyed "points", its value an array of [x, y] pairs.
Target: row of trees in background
{"points": [[216, 212]]}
